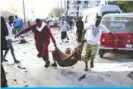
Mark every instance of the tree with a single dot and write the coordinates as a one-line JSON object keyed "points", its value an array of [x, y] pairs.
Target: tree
{"points": [[56, 12], [126, 6]]}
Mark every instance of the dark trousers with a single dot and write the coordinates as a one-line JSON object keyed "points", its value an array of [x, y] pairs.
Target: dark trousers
{"points": [[64, 35], [79, 35], [3, 76]]}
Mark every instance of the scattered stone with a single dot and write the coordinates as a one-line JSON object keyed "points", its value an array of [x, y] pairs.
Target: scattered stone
{"points": [[24, 52], [8, 65], [108, 75], [12, 64], [26, 71], [6, 73], [124, 65], [70, 72], [15, 80], [99, 77], [82, 77], [26, 85], [21, 67], [72, 67], [66, 41], [23, 41], [130, 75]]}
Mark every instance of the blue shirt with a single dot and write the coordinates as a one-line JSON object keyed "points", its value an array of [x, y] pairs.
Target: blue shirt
{"points": [[17, 22]]}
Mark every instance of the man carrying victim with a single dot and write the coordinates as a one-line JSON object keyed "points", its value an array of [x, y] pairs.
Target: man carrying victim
{"points": [[42, 35]]}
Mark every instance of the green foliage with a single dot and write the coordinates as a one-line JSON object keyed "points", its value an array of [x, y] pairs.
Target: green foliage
{"points": [[126, 6], [56, 12]]}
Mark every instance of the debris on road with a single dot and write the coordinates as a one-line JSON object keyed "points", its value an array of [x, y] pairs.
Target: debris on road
{"points": [[82, 77], [130, 75], [26, 85], [21, 67]]}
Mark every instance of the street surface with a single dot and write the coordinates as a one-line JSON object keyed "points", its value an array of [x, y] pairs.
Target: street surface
{"points": [[110, 71]]}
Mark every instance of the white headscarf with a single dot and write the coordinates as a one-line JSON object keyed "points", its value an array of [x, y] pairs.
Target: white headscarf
{"points": [[41, 28]]}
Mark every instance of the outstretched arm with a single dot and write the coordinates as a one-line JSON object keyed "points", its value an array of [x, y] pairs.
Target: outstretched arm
{"points": [[52, 37], [26, 30], [83, 36]]}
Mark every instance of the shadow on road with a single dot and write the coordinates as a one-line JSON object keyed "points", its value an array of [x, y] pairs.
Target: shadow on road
{"points": [[94, 78], [118, 57]]}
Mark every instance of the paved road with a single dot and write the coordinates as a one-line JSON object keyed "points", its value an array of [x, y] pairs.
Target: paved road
{"points": [[110, 71]]}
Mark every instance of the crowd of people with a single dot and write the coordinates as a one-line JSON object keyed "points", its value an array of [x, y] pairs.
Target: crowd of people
{"points": [[42, 35]]}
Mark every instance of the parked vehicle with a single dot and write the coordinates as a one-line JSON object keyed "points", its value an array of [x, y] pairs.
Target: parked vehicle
{"points": [[121, 25], [89, 15], [52, 22]]}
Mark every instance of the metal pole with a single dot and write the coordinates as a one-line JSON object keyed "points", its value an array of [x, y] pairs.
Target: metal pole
{"points": [[33, 15], [107, 2], [24, 12], [67, 9], [61, 4]]}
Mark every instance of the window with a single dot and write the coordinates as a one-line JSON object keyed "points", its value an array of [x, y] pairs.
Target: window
{"points": [[67, 6], [77, 13], [118, 26], [85, 5], [78, 2], [86, 2], [67, 1], [107, 12], [78, 8]]}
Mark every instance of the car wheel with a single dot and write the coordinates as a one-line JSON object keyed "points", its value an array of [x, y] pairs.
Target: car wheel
{"points": [[101, 55]]}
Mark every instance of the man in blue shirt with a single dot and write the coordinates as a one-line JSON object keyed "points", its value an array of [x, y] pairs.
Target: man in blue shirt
{"points": [[17, 24]]}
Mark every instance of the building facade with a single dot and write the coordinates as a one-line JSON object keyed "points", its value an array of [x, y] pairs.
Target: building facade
{"points": [[73, 8]]}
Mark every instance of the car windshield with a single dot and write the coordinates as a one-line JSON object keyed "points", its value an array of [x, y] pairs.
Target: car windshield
{"points": [[119, 26], [107, 12]]}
